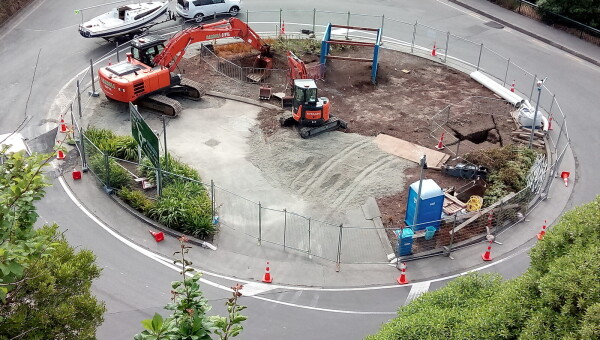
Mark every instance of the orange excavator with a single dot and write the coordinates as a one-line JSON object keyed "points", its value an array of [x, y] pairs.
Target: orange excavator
{"points": [[146, 77], [310, 112]]}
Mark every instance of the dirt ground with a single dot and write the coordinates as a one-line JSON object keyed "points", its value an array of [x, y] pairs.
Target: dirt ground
{"points": [[409, 91]]}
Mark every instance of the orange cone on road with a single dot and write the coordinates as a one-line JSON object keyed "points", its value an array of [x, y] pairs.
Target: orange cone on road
{"points": [[512, 87], [282, 27], [76, 174], [565, 177], [550, 123], [541, 234], [402, 278], [267, 277], [158, 236], [440, 144], [63, 126], [433, 52], [487, 255], [60, 154]]}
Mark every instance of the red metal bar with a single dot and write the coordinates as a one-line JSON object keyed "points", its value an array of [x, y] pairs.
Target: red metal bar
{"points": [[357, 28], [346, 42], [349, 58]]}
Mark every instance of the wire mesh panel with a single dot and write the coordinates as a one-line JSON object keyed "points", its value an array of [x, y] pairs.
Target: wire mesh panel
{"points": [[296, 232], [426, 38], [399, 34], [362, 245], [464, 53], [237, 212], [496, 67], [272, 225], [95, 159], [323, 240]]}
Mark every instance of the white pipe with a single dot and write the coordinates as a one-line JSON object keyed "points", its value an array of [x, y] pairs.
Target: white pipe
{"points": [[498, 89]]}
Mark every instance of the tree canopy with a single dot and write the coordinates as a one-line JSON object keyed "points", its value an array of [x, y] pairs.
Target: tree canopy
{"points": [[558, 297], [45, 286]]}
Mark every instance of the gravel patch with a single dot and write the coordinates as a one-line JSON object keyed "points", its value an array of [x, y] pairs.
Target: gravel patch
{"points": [[336, 170]]}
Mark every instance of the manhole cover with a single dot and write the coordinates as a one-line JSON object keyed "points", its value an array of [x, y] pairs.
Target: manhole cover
{"points": [[494, 24], [212, 142]]}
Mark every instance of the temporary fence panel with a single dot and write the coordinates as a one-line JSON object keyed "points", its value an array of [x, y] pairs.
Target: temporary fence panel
{"points": [[237, 212]]}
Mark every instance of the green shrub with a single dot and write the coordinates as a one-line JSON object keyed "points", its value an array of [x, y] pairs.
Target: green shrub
{"points": [[117, 176], [508, 166], [136, 199], [123, 147], [174, 166], [186, 207]]}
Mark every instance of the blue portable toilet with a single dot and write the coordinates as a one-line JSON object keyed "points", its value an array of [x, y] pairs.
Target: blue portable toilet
{"points": [[405, 241], [430, 207]]}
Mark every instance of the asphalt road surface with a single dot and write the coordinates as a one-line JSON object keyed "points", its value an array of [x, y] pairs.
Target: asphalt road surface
{"points": [[41, 51]]}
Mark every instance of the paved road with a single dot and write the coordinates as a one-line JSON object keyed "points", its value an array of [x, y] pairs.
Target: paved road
{"points": [[135, 286]]}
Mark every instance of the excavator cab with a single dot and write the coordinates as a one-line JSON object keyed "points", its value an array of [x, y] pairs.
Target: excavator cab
{"points": [[309, 111], [146, 48]]}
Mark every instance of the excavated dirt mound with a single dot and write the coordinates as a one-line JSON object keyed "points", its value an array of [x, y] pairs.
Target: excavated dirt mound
{"points": [[409, 92]]}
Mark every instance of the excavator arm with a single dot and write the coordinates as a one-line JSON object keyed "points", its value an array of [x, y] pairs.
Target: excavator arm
{"points": [[232, 28], [297, 67]]}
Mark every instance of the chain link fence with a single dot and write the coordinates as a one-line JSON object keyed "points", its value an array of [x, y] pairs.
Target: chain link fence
{"points": [[353, 242]]}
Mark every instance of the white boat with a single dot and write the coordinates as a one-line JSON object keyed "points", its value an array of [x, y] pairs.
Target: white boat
{"points": [[123, 20]]}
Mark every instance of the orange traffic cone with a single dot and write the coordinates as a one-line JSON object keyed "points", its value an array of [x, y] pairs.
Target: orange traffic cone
{"points": [[440, 144], [60, 154], [487, 256], [512, 87], [267, 278], [109, 62], [282, 27], [433, 52], [550, 123], [63, 126], [158, 236], [402, 278], [565, 177], [541, 234]]}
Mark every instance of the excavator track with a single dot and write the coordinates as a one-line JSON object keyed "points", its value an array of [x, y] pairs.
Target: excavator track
{"points": [[161, 103], [188, 88], [332, 124]]}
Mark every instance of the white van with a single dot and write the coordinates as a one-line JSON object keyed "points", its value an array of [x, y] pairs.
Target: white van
{"points": [[202, 9]]}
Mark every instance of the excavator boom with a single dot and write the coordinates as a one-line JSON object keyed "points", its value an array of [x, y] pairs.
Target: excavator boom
{"points": [[146, 77]]}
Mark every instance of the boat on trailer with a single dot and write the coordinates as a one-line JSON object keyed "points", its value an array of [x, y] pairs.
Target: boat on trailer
{"points": [[124, 20]]}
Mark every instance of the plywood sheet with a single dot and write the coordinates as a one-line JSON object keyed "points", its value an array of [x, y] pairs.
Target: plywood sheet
{"points": [[410, 151]]}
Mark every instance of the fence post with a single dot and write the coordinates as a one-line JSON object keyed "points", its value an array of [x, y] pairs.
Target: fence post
{"points": [[506, 73], [84, 166], [412, 44], [284, 226], [533, 86], [452, 239], [117, 49], [259, 223], [447, 45], [79, 99], [314, 19], [309, 254], [382, 23], [338, 261], [499, 218], [347, 24], [479, 59], [107, 188], [212, 198], [93, 93]]}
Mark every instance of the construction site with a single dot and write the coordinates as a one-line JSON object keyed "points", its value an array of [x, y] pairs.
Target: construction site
{"points": [[337, 125]]}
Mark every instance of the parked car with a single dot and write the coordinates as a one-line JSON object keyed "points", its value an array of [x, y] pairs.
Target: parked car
{"points": [[199, 10]]}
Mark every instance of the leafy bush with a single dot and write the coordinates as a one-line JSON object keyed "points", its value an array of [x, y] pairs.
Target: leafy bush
{"points": [[186, 207], [118, 177], [174, 166], [136, 199], [123, 147], [508, 168], [557, 298]]}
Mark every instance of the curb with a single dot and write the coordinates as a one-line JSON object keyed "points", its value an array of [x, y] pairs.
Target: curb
{"points": [[526, 32]]}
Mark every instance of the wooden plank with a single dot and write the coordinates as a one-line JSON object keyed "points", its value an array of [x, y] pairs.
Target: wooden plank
{"points": [[356, 28], [349, 42], [410, 151], [481, 212]]}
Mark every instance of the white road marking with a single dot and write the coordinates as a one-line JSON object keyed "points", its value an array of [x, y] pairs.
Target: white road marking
{"points": [[416, 290]]}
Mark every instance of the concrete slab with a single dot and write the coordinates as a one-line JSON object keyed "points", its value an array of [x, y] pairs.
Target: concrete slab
{"points": [[410, 151]]}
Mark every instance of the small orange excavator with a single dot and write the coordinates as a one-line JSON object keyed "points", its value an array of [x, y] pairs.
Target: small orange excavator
{"points": [[310, 112], [146, 77]]}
